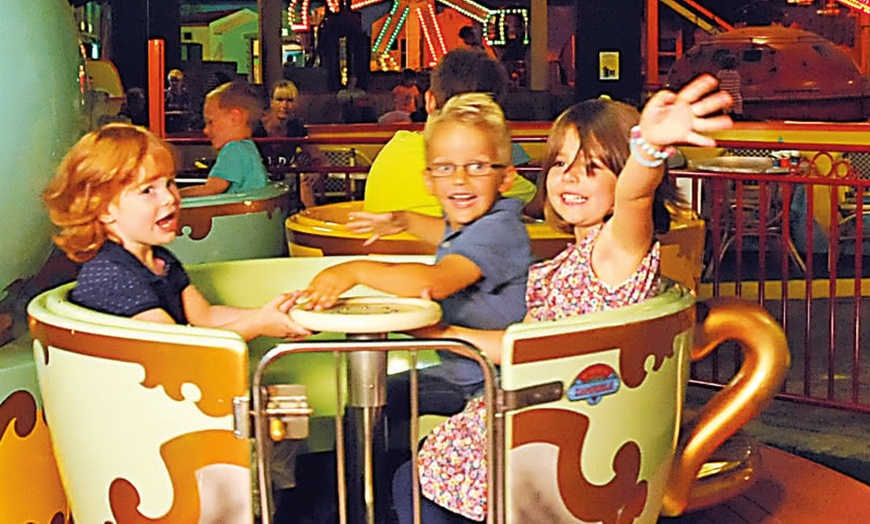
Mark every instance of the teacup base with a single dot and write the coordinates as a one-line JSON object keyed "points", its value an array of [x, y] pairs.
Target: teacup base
{"points": [[732, 469]]}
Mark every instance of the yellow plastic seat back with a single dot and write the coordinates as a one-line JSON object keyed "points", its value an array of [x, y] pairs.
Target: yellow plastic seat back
{"points": [[682, 249], [140, 415]]}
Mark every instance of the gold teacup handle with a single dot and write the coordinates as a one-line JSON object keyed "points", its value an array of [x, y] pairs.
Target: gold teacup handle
{"points": [[766, 361]]}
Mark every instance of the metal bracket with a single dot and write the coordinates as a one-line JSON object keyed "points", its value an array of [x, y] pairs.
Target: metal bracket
{"points": [[242, 417], [530, 396], [286, 410]]}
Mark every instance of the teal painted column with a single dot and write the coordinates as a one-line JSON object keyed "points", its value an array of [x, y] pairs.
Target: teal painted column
{"points": [[41, 103], [40, 100]]}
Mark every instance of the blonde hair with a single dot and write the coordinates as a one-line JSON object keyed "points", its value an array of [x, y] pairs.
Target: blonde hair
{"points": [[285, 85], [477, 110], [238, 95], [175, 73], [95, 171]]}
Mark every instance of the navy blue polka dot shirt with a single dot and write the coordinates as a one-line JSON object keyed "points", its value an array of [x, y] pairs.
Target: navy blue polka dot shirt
{"points": [[116, 282]]}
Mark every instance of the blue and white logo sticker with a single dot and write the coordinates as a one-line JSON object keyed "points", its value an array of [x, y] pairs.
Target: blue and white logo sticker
{"points": [[593, 383]]}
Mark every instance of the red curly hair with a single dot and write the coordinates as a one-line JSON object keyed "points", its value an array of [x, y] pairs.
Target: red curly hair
{"points": [[93, 173]]}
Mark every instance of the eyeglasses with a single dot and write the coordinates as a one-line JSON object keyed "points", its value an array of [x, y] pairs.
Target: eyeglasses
{"points": [[471, 169], [282, 99]]}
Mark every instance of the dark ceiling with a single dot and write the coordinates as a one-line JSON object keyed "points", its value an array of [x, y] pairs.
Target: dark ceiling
{"points": [[716, 6], [728, 9]]}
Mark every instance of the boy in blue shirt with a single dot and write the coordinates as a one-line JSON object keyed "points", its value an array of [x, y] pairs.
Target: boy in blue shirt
{"points": [[231, 111], [483, 252]]}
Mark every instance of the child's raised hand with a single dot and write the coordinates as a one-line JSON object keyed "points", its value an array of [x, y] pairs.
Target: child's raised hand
{"points": [[328, 285], [672, 118], [379, 224], [275, 321]]}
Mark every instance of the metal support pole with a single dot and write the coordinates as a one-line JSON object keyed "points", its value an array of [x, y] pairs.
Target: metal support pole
{"points": [[652, 44], [363, 444], [365, 435], [863, 43]]}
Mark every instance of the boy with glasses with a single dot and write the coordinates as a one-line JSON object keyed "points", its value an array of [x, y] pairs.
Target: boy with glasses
{"points": [[483, 251], [394, 182]]}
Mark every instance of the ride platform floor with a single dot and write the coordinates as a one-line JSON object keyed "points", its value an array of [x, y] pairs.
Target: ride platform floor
{"points": [[832, 437], [836, 438]]}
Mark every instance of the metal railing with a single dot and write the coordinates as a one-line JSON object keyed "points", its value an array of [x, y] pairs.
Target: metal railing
{"points": [[360, 481], [794, 242]]}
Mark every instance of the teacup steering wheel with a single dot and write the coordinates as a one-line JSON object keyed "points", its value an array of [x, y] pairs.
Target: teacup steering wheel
{"points": [[363, 315]]}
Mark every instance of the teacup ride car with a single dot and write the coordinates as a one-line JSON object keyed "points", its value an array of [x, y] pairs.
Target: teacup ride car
{"points": [[233, 226], [322, 230], [149, 421], [166, 393], [32, 490]]}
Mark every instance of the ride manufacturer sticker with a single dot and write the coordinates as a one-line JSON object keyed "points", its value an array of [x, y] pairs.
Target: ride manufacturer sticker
{"points": [[593, 384]]}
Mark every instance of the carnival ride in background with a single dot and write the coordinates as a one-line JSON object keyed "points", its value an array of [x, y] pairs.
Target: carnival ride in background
{"points": [[424, 20], [786, 74]]}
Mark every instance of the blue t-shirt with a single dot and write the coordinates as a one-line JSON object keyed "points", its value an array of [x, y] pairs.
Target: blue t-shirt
{"points": [[241, 165], [116, 282], [498, 244], [518, 155]]}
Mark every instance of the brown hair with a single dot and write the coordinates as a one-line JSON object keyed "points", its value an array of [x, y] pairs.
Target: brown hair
{"points": [[238, 95], [468, 71], [95, 171], [603, 127]]}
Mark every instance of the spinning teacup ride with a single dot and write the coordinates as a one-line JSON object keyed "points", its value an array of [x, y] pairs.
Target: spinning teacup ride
{"points": [[152, 421], [322, 230], [233, 226]]}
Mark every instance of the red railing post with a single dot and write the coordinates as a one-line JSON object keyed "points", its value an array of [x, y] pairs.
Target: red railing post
{"points": [[156, 67]]}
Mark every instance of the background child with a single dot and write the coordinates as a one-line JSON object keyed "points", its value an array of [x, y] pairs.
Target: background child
{"points": [[115, 200], [177, 98], [406, 95], [406, 100], [231, 112], [602, 178], [483, 250]]}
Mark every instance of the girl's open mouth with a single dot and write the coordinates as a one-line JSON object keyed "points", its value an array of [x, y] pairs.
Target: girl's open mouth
{"points": [[169, 222], [572, 198]]}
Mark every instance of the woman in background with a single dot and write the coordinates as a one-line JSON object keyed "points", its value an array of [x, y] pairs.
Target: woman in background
{"points": [[282, 121]]}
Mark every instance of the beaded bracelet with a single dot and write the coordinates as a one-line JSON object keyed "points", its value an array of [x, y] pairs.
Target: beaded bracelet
{"points": [[660, 155]]}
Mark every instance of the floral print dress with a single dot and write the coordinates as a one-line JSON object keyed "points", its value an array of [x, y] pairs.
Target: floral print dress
{"points": [[452, 460]]}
